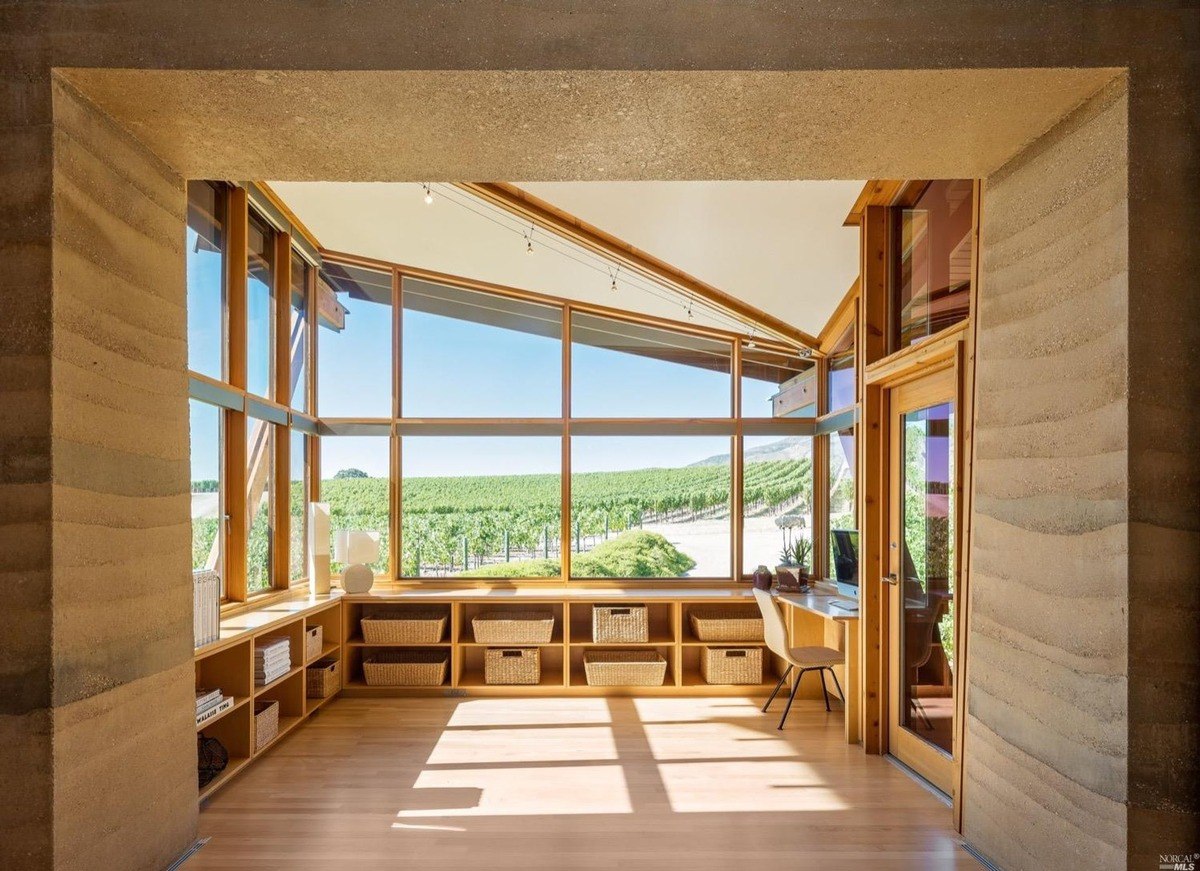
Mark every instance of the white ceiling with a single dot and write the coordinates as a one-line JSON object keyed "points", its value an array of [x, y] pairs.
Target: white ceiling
{"points": [[780, 246]]}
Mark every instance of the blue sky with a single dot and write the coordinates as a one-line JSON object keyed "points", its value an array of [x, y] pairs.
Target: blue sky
{"points": [[456, 368]]}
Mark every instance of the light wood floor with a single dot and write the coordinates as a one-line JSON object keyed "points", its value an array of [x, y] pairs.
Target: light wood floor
{"points": [[576, 783]]}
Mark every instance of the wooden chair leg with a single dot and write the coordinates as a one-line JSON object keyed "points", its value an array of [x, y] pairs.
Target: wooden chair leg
{"points": [[824, 691], [778, 686], [791, 698]]}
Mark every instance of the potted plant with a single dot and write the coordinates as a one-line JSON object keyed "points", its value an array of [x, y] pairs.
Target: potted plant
{"points": [[785, 572], [801, 551]]}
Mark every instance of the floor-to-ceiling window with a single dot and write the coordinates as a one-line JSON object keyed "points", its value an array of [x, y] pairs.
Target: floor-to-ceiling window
{"points": [[514, 454]]}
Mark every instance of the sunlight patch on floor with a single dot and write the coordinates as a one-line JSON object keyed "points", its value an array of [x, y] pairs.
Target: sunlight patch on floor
{"points": [[668, 710], [538, 744], [555, 791], [529, 712], [713, 741], [745, 786]]}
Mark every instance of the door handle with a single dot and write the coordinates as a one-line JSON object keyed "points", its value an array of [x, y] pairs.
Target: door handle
{"points": [[890, 579]]}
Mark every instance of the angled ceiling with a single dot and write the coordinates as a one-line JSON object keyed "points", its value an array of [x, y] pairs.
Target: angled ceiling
{"points": [[779, 246]]}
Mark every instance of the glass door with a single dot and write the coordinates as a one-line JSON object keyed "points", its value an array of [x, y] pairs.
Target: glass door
{"points": [[921, 580]]}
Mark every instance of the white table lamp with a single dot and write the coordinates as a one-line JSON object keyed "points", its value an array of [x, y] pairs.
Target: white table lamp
{"points": [[354, 549]]}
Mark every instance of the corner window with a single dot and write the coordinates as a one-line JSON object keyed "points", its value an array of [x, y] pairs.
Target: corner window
{"points": [[260, 309], [354, 342], [842, 516], [206, 279], [298, 334], [933, 247], [841, 384], [208, 506], [777, 384]]}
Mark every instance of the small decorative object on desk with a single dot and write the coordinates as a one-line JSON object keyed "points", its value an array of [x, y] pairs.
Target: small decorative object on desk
{"points": [[793, 565], [762, 578]]}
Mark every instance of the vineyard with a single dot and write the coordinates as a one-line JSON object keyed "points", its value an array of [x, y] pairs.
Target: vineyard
{"points": [[482, 523]]}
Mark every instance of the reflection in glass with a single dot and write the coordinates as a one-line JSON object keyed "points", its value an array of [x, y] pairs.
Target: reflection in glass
{"points": [[260, 516], [650, 506], [206, 279], [777, 495], [496, 356], [488, 507], [621, 369], [297, 506], [777, 384], [208, 507], [354, 342], [298, 334], [841, 487], [260, 309], [933, 267], [927, 550], [355, 481], [842, 389]]}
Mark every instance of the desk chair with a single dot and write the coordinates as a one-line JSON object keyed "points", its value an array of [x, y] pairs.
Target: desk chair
{"points": [[818, 659]]}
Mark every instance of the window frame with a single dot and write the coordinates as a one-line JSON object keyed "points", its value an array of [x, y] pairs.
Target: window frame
{"points": [[733, 425]]}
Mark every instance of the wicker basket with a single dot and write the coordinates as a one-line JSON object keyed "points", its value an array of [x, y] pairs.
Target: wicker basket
{"points": [[512, 665], [624, 668], [266, 722], [410, 626], [314, 639], [727, 623], [731, 665], [513, 627], [323, 678], [620, 624], [406, 668]]}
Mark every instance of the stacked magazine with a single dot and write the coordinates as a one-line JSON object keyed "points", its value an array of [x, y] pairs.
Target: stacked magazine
{"points": [[210, 704], [272, 660]]}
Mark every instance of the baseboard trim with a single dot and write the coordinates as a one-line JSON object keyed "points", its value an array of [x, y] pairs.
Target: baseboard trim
{"points": [[187, 854]]}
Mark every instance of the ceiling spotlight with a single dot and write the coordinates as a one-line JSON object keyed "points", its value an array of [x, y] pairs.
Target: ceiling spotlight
{"points": [[529, 240], [751, 343], [428, 195], [805, 353]]}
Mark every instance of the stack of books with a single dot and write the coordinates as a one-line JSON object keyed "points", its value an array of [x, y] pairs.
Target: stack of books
{"points": [[210, 704], [272, 660]]}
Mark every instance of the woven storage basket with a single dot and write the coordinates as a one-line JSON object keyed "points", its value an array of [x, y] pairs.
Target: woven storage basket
{"points": [[620, 624], [731, 665], [411, 626], [314, 638], [323, 678], [512, 665], [727, 623], [406, 668], [513, 627], [266, 722], [624, 668]]}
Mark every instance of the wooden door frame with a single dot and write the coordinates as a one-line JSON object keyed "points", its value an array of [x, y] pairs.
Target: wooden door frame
{"points": [[929, 386]]}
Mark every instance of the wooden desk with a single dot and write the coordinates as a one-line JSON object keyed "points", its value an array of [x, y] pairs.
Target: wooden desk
{"points": [[813, 620]]}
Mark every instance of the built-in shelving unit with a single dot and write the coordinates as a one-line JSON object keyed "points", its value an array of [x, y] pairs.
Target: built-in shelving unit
{"points": [[228, 664], [562, 668]]}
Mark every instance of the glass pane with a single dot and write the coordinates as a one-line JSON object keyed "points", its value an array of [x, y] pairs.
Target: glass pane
{"points": [[298, 334], [777, 384], [260, 518], [207, 504], [842, 515], [298, 506], [675, 374], [843, 389], [777, 496], [206, 279], [496, 357], [933, 269], [260, 309], [355, 481], [487, 507], [927, 627], [650, 506], [354, 343]]}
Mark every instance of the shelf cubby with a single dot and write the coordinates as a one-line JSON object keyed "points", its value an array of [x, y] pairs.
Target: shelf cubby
{"points": [[661, 616], [467, 611]]}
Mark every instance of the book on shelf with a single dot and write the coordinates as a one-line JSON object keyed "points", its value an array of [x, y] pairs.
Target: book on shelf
{"points": [[223, 705], [204, 698]]}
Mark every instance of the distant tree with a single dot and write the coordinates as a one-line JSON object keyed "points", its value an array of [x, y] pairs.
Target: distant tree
{"points": [[351, 473]]}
